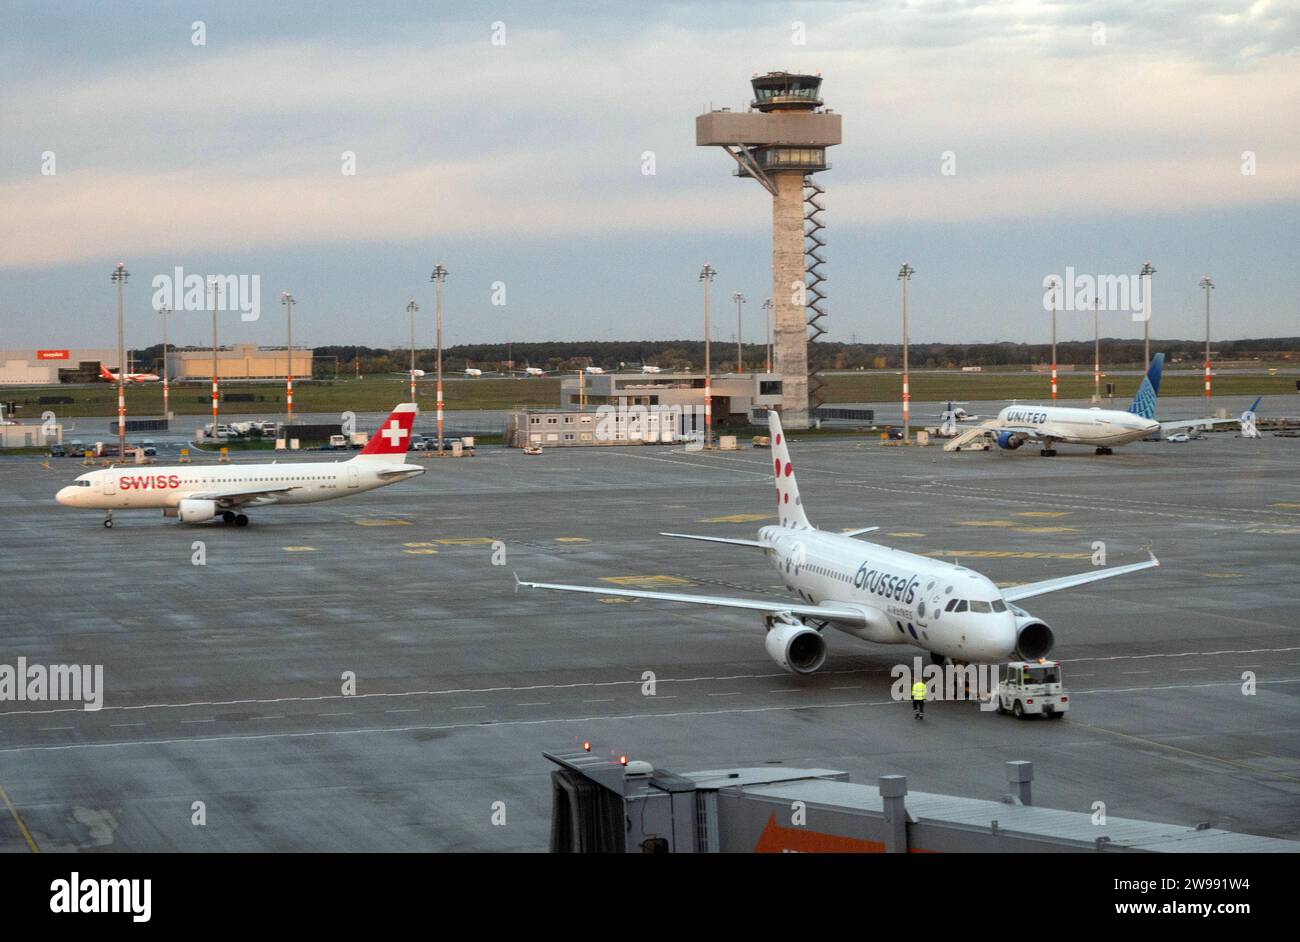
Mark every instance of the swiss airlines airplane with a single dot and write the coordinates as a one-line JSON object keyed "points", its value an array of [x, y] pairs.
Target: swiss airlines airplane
{"points": [[199, 493], [110, 377], [1101, 428], [873, 592]]}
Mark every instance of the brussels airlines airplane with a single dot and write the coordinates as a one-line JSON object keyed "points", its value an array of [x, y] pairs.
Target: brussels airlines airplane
{"points": [[1101, 428], [198, 493], [873, 592]]}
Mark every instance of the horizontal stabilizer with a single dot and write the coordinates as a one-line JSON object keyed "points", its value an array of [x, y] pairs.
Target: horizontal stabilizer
{"points": [[717, 539]]}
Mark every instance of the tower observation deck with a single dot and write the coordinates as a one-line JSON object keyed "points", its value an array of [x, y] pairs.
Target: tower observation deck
{"points": [[780, 142]]}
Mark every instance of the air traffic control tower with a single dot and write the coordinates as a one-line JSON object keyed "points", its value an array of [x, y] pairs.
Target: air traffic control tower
{"points": [[780, 142]]}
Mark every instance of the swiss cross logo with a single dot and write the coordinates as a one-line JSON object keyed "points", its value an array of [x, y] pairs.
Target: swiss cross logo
{"points": [[394, 433]]}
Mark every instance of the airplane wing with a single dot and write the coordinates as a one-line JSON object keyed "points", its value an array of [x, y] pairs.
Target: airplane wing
{"points": [[774, 607], [859, 531], [1188, 424], [261, 495], [1031, 589]]}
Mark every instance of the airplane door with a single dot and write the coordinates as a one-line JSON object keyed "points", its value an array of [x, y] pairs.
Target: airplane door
{"points": [[353, 479], [109, 484]]}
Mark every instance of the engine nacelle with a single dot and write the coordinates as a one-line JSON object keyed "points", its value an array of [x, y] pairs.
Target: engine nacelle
{"points": [[797, 648], [1033, 639], [1009, 440], [196, 511]]}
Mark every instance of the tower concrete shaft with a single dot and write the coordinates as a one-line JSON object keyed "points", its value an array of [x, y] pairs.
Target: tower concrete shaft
{"points": [[789, 295]]}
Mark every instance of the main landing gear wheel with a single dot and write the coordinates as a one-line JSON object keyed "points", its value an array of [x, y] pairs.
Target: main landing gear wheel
{"points": [[108, 523], [1104, 451], [1048, 452], [227, 516], [241, 520]]}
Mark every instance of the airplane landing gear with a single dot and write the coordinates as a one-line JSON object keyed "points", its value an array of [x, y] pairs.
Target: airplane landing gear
{"points": [[108, 521], [1104, 451], [1048, 452], [241, 520], [227, 516]]}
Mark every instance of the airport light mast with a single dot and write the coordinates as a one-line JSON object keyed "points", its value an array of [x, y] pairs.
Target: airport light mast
{"points": [[740, 356], [905, 275], [167, 415], [1054, 283], [707, 274], [1146, 273], [1096, 348], [289, 301], [1208, 285], [212, 283], [438, 276], [767, 307], [119, 277], [412, 308]]}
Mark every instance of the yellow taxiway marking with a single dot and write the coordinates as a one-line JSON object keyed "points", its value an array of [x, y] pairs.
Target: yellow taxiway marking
{"points": [[905, 533], [988, 523], [1043, 513], [572, 539], [616, 600], [1286, 506], [1275, 530], [300, 549], [645, 582], [466, 541], [420, 552], [1046, 530], [737, 518], [18, 820], [381, 522], [1005, 554], [419, 545], [1223, 575]]}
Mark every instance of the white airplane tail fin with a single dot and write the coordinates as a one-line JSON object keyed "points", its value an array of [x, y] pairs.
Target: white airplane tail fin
{"points": [[789, 505]]}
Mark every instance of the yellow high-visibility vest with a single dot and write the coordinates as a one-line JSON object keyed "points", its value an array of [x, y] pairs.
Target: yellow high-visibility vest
{"points": [[918, 691]]}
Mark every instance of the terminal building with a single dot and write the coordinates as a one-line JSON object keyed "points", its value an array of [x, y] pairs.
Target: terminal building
{"points": [[642, 408], [49, 367]]}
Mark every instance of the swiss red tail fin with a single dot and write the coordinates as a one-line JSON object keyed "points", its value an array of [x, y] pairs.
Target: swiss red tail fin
{"points": [[393, 438]]}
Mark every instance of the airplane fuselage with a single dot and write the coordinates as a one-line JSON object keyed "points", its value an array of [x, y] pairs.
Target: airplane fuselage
{"points": [[907, 597], [1099, 427], [149, 486]]}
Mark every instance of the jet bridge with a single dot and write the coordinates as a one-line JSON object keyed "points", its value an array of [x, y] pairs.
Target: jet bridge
{"points": [[609, 804]]}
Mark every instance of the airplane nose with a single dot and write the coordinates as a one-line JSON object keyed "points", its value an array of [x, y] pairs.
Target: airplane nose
{"points": [[64, 496]]}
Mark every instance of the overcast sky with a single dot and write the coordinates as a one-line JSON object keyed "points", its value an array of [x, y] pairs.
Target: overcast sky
{"points": [[1084, 135]]}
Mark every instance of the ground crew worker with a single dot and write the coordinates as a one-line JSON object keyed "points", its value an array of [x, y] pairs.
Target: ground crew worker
{"points": [[918, 700]]}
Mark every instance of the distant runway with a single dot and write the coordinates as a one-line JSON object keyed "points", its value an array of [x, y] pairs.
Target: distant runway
{"points": [[225, 681]]}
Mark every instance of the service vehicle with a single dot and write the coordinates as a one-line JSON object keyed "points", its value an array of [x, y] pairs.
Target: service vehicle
{"points": [[1031, 688]]}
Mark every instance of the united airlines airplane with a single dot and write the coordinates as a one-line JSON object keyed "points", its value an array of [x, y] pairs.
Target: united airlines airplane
{"points": [[1102, 429], [872, 592]]}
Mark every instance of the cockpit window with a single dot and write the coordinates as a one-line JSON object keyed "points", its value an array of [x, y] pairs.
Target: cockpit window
{"points": [[952, 603], [81, 483], [983, 607], [999, 605], [961, 606]]}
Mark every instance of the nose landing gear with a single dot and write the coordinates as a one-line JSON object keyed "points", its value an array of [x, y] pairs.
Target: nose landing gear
{"points": [[108, 520]]}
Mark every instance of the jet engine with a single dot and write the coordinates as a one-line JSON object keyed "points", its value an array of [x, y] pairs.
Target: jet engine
{"points": [[1009, 440], [196, 511], [1033, 639], [796, 647]]}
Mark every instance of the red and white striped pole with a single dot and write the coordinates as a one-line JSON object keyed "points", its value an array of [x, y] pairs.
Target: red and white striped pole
{"points": [[288, 301], [212, 282], [905, 275], [119, 277], [706, 275], [438, 277], [1053, 340], [1208, 285]]}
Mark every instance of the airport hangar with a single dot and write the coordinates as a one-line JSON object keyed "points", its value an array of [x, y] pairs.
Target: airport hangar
{"points": [[49, 367]]}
